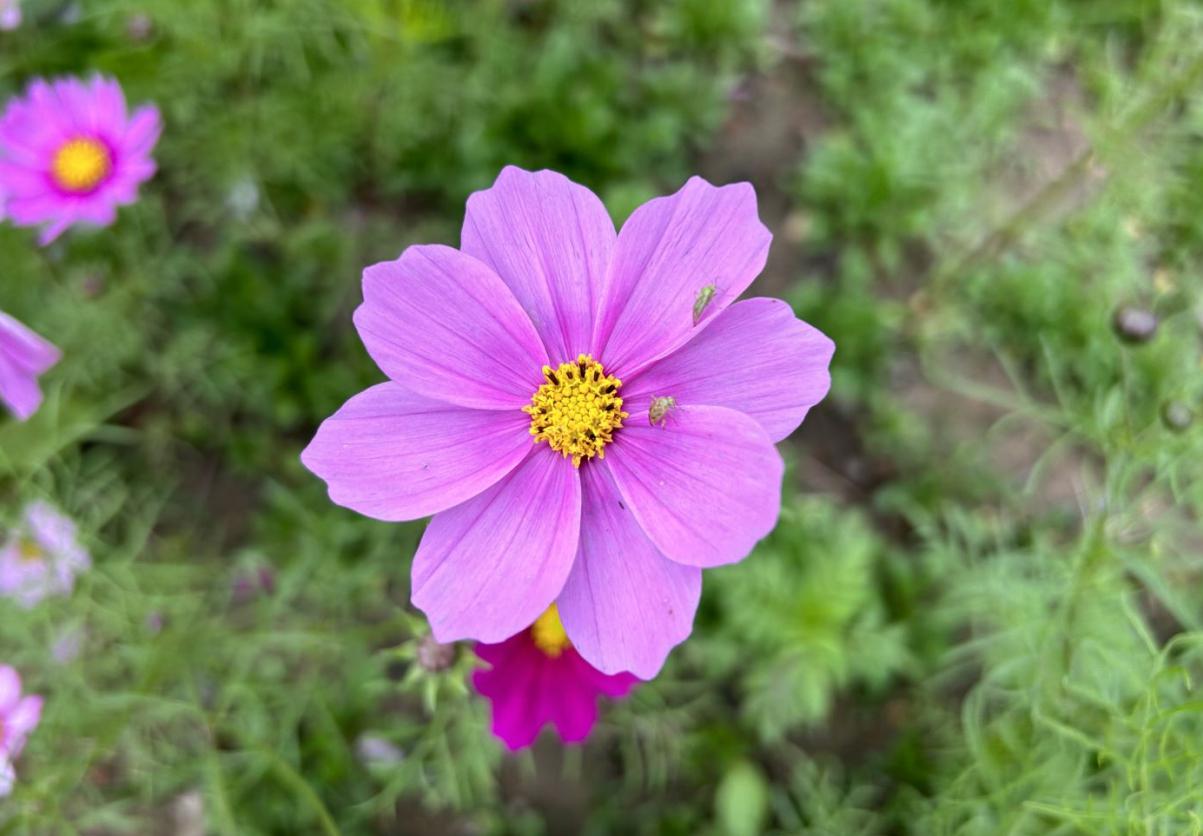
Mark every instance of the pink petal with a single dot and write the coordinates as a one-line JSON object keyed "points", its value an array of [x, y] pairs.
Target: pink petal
{"points": [[625, 605], [19, 391], [574, 709], [756, 357], [55, 228], [23, 357], [102, 105], [142, 132], [25, 349], [20, 180], [393, 455], [705, 485], [667, 251], [10, 689], [615, 685], [19, 723], [550, 241], [514, 686], [489, 567], [444, 325]]}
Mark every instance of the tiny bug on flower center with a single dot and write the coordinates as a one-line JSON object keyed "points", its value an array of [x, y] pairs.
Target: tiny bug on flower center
{"points": [[577, 410], [80, 165]]}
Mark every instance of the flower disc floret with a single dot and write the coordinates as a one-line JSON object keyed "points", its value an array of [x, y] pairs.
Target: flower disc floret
{"points": [[80, 165], [577, 410], [548, 633]]}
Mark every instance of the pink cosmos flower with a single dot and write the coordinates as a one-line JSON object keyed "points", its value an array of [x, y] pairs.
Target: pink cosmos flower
{"points": [[538, 678], [19, 716], [42, 557], [589, 415], [10, 14], [23, 356], [70, 153]]}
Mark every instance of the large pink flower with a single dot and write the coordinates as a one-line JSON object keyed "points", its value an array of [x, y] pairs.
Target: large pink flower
{"points": [[528, 409], [24, 356], [537, 678], [19, 716], [70, 153]]}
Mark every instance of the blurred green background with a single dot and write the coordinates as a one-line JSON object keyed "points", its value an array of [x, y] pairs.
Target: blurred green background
{"points": [[982, 610]]}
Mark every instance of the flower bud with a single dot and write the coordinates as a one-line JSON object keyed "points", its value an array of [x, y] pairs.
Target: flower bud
{"points": [[433, 656], [1176, 416], [1134, 325]]}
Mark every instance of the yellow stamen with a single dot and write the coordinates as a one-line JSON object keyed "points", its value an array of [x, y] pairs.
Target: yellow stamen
{"points": [[577, 410], [548, 633], [29, 550], [80, 165]]}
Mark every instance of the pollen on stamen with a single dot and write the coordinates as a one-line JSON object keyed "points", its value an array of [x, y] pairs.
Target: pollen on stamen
{"points": [[577, 410], [548, 633], [29, 550], [80, 164]]}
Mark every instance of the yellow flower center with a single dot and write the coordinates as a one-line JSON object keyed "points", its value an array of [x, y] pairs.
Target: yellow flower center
{"points": [[548, 633], [577, 410], [29, 550], [80, 165]]}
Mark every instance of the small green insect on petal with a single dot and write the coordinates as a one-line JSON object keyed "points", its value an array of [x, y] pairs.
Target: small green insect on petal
{"points": [[705, 297]]}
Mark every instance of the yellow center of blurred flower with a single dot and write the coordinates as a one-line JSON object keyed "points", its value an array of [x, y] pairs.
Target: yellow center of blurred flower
{"points": [[29, 550], [548, 633], [80, 165], [577, 410]]}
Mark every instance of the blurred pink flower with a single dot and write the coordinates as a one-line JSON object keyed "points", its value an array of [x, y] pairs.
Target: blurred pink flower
{"points": [[70, 153], [19, 716], [10, 14], [23, 357], [537, 678], [590, 415], [41, 557]]}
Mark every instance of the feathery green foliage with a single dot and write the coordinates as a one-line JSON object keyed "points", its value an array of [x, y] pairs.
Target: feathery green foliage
{"points": [[982, 609]]}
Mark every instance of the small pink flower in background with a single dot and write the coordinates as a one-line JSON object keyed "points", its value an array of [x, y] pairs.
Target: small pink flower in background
{"points": [[70, 153], [42, 557], [19, 716], [590, 415], [68, 644], [10, 14], [23, 357], [538, 678]]}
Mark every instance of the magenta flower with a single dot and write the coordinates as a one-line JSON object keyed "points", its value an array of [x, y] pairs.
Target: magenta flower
{"points": [[23, 357], [538, 678], [42, 557], [70, 153], [590, 416], [19, 716]]}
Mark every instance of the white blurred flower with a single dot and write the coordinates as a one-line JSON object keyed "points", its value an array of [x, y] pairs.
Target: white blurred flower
{"points": [[372, 749], [242, 199]]}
